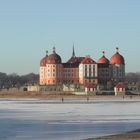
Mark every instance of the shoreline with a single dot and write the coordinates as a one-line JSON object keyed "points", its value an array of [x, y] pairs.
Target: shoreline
{"points": [[65, 96], [131, 135]]}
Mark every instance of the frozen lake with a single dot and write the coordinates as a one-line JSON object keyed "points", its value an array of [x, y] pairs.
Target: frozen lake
{"points": [[35, 119]]}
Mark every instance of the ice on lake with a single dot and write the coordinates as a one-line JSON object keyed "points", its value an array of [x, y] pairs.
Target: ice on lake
{"points": [[35, 119]]}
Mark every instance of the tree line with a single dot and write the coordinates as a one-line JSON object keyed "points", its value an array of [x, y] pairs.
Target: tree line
{"points": [[133, 77], [15, 80]]}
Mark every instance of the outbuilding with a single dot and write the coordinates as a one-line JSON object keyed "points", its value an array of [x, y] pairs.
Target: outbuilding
{"points": [[90, 88], [120, 88]]}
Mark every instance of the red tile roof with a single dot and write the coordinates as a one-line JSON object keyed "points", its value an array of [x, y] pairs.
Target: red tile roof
{"points": [[117, 59], [90, 86], [88, 60], [121, 85]]}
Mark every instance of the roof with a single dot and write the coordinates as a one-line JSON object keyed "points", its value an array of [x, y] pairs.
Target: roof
{"points": [[121, 85], [53, 59], [75, 59], [103, 60], [117, 59], [88, 60], [73, 62], [90, 86], [44, 60]]}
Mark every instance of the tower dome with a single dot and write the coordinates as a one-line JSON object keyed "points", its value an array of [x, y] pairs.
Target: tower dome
{"points": [[44, 60], [103, 59], [53, 58], [117, 58]]}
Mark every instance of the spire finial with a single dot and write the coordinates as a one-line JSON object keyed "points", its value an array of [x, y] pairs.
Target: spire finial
{"points": [[73, 53], [54, 49], [117, 49], [46, 52], [103, 53]]}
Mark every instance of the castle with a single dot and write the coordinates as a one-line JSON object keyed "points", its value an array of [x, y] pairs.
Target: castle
{"points": [[82, 70]]}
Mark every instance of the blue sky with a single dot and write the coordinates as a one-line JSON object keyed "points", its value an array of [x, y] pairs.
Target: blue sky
{"points": [[30, 27]]}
